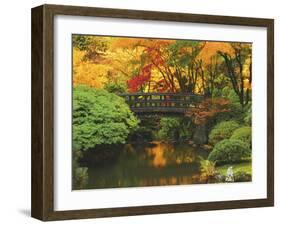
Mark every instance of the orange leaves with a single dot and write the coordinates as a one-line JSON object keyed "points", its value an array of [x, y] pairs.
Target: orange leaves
{"points": [[207, 109], [211, 48], [124, 43], [175, 65]]}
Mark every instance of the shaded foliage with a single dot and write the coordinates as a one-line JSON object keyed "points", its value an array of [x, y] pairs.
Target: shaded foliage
{"points": [[116, 88], [175, 128]]}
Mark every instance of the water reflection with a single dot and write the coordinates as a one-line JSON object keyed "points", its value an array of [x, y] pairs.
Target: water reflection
{"points": [[164, 154], [156, 163]]}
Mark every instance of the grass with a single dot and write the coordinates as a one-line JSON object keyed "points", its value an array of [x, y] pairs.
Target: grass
{"points": [[244, 166]]}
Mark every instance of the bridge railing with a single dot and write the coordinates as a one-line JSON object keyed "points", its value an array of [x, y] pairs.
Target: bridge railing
{"points": [[163, 102]]}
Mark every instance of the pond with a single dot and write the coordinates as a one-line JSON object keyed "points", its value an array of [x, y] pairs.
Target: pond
{"points": [[152, 164]]}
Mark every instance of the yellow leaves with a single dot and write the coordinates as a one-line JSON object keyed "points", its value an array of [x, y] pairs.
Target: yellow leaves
{"points": [[86, 72], [129, 43], [119, 59]]}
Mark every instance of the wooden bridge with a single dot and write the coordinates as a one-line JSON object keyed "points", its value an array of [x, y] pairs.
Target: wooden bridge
{"points": [[161, 103]]}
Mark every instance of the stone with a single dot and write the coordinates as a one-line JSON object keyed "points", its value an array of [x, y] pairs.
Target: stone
{"points": [[200, 135]]}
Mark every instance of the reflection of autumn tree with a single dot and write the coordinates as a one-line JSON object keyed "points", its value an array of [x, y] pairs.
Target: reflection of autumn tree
{"points": [[163, 154], [238, 69]]}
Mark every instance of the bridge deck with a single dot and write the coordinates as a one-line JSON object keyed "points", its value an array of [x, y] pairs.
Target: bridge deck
{"points": [[161, 102]]}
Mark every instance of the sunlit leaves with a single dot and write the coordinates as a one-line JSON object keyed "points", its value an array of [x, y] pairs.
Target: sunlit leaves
{"points": [[86, 72], [159, 65]]}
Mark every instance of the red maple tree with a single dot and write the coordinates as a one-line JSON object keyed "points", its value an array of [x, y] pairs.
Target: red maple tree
{"points": [[137, 82]]}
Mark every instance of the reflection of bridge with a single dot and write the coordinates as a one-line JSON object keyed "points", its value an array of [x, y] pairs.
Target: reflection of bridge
{"points": [[161, 103]]}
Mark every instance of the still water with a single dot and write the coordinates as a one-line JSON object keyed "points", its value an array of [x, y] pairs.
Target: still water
{"points": [[153, 164]]}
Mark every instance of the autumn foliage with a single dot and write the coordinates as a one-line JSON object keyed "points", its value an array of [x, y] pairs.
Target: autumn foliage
{"points": [[207, 109], [138, 81], [159, 65]]}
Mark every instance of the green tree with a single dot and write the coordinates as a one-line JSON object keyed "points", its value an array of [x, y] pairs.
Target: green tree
{"points": [[100, 117], [229, 151], [182, 57]]}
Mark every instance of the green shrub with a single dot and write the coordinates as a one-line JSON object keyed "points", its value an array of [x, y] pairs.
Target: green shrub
{"points": [[222, 131], [115, 87], [100, 117], [229, 151], [174, 128], [236, 112], [244, 134]]}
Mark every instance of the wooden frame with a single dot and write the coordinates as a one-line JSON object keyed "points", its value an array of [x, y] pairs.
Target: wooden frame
{"points": [[43, 119]]}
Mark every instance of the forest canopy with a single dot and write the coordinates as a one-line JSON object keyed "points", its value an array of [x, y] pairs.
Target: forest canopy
{"points": [[160, 65]]}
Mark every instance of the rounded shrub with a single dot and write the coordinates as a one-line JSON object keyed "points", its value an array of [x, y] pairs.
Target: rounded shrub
{"points": [[244, 134], [99, 118], [222, 131], [229, 151]]}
